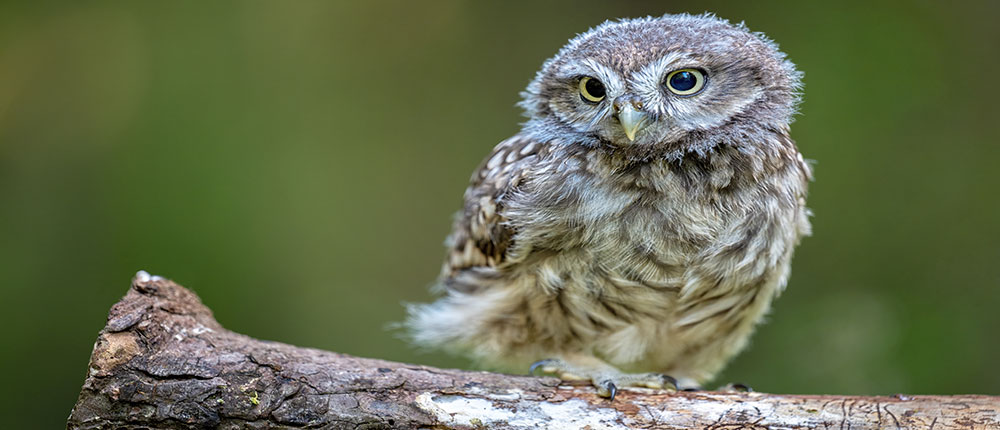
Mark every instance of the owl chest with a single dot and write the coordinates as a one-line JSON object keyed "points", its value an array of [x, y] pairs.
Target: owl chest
{"points": [[649, 232], [600, 213], [637, 257]]}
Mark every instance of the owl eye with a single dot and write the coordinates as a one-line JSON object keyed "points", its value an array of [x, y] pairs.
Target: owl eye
{"points": [[591, 90], [685, 82]]}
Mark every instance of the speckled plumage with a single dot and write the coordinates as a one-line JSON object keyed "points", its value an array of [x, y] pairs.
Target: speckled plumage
{"points": [[653, 255]]}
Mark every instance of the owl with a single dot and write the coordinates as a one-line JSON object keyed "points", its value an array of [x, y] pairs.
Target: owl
{"points": [[641, 223]]}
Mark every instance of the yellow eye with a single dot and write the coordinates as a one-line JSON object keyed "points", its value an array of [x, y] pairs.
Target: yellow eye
{"points": [[591, 90], [685, 82]]}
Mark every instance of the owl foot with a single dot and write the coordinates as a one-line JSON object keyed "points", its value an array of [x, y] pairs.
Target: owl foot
{"points": [[606, 379], [736, 387]]}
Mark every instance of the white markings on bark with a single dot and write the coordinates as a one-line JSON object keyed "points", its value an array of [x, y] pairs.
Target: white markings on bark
{"points": [[477, 412]]}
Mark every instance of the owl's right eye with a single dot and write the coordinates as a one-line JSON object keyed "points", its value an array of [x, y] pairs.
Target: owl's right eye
{"points": [[591, 90]]}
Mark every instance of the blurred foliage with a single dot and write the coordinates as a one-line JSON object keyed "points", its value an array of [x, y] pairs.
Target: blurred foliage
{"points": [[297, 164]]}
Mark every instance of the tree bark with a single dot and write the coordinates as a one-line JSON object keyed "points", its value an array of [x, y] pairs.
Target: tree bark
{"points": [[163, 361]]}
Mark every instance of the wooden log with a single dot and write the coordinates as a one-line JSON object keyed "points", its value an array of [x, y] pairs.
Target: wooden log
{"points": [[163, 361]]}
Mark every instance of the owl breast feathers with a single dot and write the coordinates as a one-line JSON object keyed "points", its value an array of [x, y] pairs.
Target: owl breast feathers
{"points": [[645, 216]]}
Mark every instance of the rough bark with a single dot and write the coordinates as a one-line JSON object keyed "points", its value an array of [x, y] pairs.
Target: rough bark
{"points": [[162, 361]]}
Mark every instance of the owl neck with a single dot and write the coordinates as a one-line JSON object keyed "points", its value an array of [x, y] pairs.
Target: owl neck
{"points": [[742, 135], [724, 166]]}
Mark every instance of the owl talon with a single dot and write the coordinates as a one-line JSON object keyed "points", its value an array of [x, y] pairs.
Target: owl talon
{"points": [[736, 387], [741, 387], [543, 364], [668, 382], [607, 389]]}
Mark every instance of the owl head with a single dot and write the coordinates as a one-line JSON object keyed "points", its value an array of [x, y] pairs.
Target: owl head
{"points": [[663, 87]]}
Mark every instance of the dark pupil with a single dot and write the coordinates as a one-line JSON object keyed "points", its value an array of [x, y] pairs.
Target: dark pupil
{"points": [[682, 81], [595, 88]]}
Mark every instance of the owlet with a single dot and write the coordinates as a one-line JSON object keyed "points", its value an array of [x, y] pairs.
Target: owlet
{"points": [[644, 218]]}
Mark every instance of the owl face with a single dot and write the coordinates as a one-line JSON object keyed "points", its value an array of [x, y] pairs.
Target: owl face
{"points": [[650, 83]]}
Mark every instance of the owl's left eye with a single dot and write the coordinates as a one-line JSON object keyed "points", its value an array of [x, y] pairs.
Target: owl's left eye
{"points": [[685, 82], [591, 90]]}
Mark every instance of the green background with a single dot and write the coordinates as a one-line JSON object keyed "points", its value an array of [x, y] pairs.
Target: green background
{"points": [[297, 164]]}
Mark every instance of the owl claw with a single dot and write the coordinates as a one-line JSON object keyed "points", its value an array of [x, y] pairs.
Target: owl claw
{"points": [[736, 387], [669, 381], [741, 387], [542, 364], [607, 389]]}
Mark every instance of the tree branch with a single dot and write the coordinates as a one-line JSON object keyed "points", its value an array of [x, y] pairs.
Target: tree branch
{"points": [[163, 361]]}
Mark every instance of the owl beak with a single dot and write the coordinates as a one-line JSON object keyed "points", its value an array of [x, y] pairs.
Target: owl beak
{"points": [[631, 117]]}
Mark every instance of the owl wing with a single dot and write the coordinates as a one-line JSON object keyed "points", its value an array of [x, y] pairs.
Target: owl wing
{"points": [[481, 236]]}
